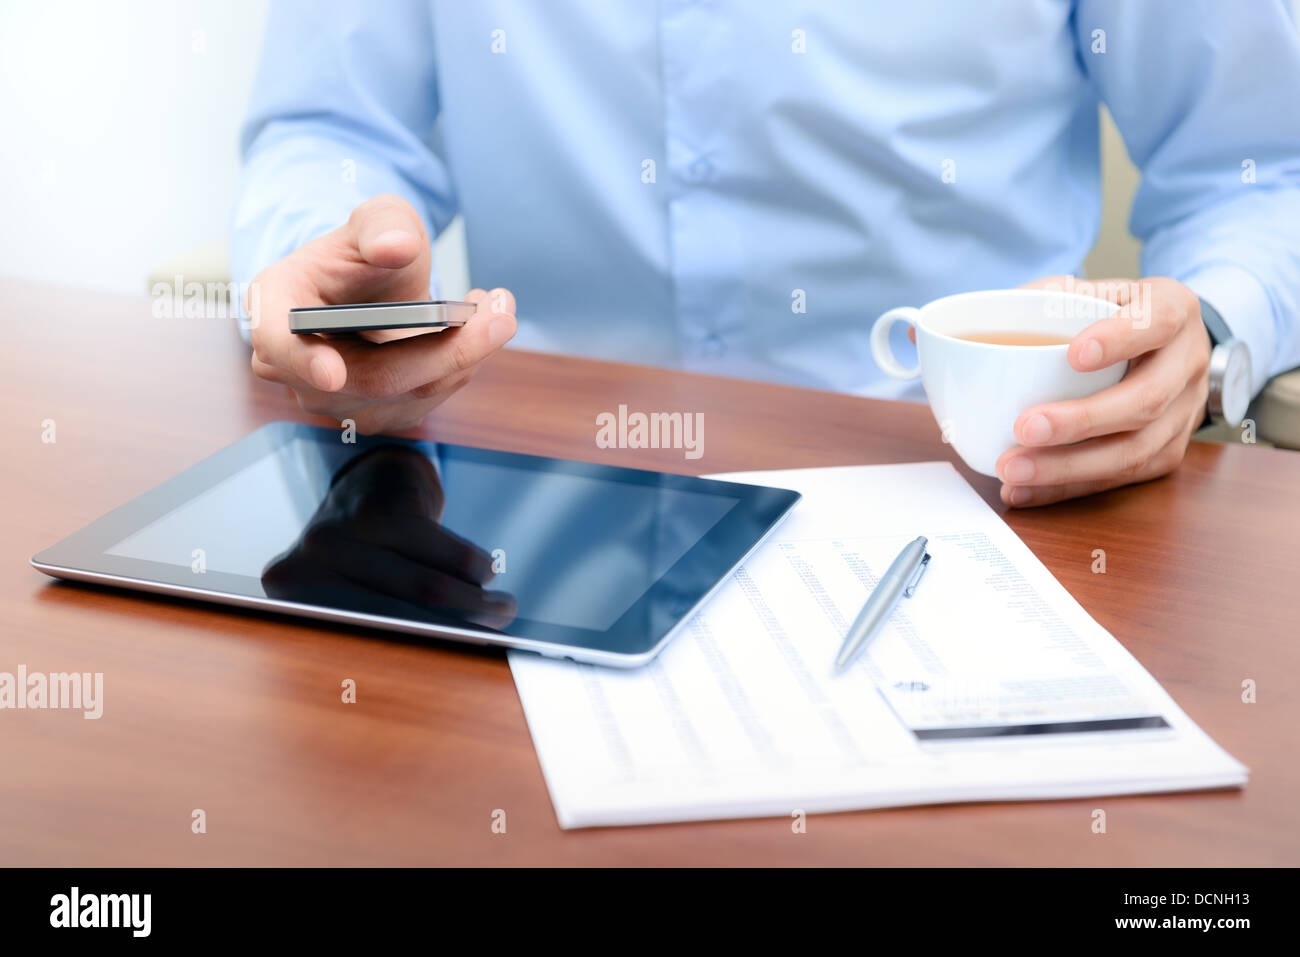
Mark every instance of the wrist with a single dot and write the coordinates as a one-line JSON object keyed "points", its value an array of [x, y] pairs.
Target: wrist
{"points": [[1229, 372]]}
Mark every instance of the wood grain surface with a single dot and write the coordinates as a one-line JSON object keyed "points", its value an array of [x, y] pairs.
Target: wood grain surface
{"points": [[239, 713]]}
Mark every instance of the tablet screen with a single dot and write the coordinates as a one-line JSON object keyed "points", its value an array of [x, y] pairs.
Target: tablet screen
{"points": [[548, 550], [568, 549]]}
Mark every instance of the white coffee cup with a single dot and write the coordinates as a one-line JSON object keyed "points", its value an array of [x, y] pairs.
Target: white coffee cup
{"points": [[977, 390]]}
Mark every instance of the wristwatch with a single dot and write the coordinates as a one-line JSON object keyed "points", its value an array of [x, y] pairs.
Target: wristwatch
{"points": [[1229, 371]]}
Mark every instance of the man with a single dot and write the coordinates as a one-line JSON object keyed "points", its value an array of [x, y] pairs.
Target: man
{"points": [[741, 188]]}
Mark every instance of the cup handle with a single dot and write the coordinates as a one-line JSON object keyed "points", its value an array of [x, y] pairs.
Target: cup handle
{"points": [[880, 350]]}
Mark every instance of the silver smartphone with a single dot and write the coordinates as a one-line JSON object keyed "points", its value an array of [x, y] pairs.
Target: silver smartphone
{"points": [[434, 315]]}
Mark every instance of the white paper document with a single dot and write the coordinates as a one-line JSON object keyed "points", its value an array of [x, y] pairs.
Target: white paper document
{"points": [[989, 683]]}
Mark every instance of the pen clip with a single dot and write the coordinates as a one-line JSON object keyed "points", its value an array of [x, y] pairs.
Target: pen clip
{"points": [[910, 590]]}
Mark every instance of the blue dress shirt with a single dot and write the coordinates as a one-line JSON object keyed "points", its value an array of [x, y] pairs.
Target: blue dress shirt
{"points": [[741, 188]]}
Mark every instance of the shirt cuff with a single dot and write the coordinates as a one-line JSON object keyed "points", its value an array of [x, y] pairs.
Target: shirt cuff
{"points": [[292, 192], [1245, 307]]}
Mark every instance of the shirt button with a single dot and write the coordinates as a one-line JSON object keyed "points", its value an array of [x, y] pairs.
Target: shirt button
{"points": [[712, 347], [700, 171]]}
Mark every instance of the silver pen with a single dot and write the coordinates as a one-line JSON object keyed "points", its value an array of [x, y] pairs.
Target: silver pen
{"points": [[901, 579]]}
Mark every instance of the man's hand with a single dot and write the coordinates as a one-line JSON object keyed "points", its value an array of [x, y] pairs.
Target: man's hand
{"points": [[1137, 429], [387, 381]]}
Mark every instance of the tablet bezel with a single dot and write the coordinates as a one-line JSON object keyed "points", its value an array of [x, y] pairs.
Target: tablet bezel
{"points": [[83, 556]]}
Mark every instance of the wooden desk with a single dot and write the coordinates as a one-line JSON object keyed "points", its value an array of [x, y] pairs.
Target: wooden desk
{"points": [[239, 714]]}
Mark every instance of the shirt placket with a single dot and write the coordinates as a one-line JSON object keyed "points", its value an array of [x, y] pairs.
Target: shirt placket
{"points": [[704, 238]]}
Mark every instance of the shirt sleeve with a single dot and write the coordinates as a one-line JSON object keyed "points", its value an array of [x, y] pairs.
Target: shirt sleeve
{"points": [[1207, 97], [344, 107]]}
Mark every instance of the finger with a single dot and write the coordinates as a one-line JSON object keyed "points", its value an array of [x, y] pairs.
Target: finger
{"points": [[408, 411], [386, 231], [1118, 291], [1122, 454], [441, 389], [381, 254], [1141, 397], [377, 416], [385, 418], [409, 407], [372, 417], [1087, 352], [379, 336], [1029, 496], [272, 373], [499, 301], [395, 368], [1148, 320], [308, 359]]}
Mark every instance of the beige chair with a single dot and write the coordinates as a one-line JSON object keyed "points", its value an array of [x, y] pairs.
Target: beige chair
{"points": [[1276, 411]]}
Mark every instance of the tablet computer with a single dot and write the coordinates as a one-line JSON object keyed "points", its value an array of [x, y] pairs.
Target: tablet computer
{"points": [[568, 559]]}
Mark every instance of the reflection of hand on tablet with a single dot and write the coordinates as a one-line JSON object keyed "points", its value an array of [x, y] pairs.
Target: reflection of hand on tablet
{"points": [[377, 532], [381, 254]]}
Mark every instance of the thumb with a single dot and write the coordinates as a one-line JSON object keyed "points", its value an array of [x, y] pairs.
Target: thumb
{"points": [[387, 232]]}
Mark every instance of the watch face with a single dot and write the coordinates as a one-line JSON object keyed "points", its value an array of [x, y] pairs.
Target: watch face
{"points": [[1236, 383]]}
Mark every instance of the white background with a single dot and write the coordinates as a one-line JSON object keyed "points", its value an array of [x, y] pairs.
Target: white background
{"points": [[118, 142]]}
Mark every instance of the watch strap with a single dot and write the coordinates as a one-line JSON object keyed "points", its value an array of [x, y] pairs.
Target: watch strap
{"points": [[1219, 334], [1214, 324]]}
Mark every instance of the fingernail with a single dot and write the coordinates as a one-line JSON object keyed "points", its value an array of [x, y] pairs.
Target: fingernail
{"points": [[1037, 429], [319, 376], [500, 331], [1019, 470], [1090, 353], [1020, 496], [393, 236]]}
